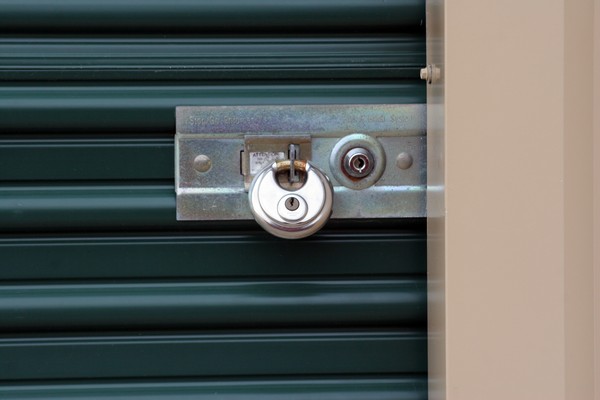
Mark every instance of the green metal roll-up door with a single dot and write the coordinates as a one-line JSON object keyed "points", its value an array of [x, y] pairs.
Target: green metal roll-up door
{"points": [[104, 295]]}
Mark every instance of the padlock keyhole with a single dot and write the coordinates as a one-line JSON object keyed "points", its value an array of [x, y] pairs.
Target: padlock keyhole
{"points": [[292, 203]]}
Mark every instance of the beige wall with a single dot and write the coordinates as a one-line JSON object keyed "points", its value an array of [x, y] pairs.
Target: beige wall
{"points": [[597, 191], [511, 199]]}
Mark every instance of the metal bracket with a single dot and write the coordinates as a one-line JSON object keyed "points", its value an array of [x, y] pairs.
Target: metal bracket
{"points": [[220, 149], [262, 150]]}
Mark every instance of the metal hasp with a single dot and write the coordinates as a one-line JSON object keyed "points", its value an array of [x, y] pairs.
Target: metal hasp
{"points": [[220, 149]]}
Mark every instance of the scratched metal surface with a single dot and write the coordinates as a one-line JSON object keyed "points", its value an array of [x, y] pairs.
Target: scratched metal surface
{"points": [[218, 133]]}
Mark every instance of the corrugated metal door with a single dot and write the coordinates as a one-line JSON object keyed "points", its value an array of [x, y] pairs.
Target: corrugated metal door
{"points": [[105, 295]]}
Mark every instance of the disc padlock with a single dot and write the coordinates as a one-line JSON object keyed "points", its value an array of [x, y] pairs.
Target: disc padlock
{"points": [[286, 213]]}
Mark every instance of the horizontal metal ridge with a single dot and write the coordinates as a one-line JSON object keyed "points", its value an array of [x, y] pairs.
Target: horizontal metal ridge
{"points": [[127, 107], [38, 160], [98, 207], [212, 355], [266, 58], [209, 256], [212, 305], [413, 387], [91, 207], [208, 16]]}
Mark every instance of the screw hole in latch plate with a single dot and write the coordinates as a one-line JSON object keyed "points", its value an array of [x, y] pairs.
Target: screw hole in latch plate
{"points": [[240, 141]]}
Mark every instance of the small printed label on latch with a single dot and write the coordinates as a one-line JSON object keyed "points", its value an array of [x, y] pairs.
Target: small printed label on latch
{"points": [[260, 159]]}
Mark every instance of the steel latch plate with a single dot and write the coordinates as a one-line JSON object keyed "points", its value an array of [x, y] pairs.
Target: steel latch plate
{"points": [[215, 165]]}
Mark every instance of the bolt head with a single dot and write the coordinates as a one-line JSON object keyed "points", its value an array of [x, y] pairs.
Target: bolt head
{"points": [[202, 163], [404, 161]]}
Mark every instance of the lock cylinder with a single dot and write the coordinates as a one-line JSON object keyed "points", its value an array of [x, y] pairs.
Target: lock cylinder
{"points": [[357, 161], [291, 213]]}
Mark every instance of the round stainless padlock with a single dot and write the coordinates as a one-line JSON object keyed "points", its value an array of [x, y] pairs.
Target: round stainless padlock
{"points": [[291, 214]]}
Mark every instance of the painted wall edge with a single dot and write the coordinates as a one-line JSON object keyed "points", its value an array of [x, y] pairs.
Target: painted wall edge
{"points": [[514, 199]]}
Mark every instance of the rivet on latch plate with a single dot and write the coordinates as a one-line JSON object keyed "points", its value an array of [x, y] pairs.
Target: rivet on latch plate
{"points": [[202, 163], [404, 160]]}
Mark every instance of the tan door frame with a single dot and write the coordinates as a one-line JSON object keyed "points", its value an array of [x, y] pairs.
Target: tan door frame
{"points": [[512, 212]]}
